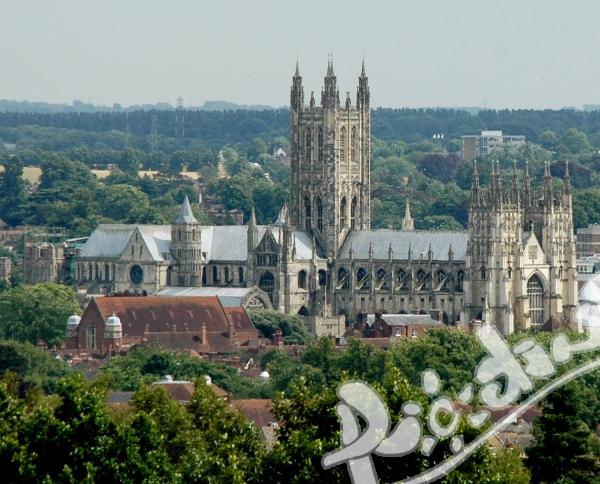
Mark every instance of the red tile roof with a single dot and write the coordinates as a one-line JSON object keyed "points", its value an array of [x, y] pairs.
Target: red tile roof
{"points": [[176, 322], [258, 411]]}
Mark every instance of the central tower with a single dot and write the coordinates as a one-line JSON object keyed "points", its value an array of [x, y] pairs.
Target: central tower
{"points": [[330, 161]]}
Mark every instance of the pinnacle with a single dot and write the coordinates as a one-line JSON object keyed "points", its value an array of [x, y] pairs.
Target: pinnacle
{"points": [[186, 216]]}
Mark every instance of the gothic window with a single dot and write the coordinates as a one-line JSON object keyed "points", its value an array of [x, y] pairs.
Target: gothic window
{"points": [[267, 283], [302, 280], [380, 275], [178, 234], [90, 272], [96, 272], [307, 146], [420, 275], [460, 280], [353, 207], [241, 274], [322, 277], [353, 150], [535, 292], [194, 234], [215, 274], [440, 276], [343, 210], [106, 272], [319, 214], [343, 280], [307, 213], [320, 143], [204, 276], [343, 144], [361, 279], [226, 275], [483, 274]]}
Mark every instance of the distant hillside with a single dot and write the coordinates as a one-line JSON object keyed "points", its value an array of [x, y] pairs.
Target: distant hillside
{"points": [[10, 106]]}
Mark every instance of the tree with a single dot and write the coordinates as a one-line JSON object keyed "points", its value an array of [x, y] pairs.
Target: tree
{"points": [[565, 448], [574, 141], [37, 313], [268, 322], [12, 191]]}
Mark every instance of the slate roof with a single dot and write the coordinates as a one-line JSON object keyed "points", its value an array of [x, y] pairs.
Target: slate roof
{"points": [[110, 240], [405, 320], [220, 243], [419, 242], [186, 216]]}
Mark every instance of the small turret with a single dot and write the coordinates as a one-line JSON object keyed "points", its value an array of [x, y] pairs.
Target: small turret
{"points": [[362, 92], [408, 224], [567, 188], [330, 92], [475, 190], [515, 195], [112, 328], [527, 186], [297, 91], [548, 187]]}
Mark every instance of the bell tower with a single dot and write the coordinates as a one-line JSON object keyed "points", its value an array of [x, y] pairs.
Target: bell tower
{"points": [[330, 161]]}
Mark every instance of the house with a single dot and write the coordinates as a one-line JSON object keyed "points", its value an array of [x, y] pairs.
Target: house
{"points": [[201, 324], [380, 325]]}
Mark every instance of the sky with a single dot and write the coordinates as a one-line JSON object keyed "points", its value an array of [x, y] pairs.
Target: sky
{"points": [[418, 53]]}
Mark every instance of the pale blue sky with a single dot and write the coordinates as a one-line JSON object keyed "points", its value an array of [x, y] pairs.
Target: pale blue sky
{"points": [[534, 53]]}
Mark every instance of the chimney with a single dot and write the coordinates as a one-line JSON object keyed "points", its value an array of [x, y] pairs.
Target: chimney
{"points": [[278, 339], [231, 331], [204, 334]]}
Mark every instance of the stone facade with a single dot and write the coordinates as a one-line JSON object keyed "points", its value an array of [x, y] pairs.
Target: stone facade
{"points": [[515, 266]]}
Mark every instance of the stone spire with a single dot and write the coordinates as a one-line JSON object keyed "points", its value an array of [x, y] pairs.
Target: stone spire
{"points": [[330, 93], [515, 184], [297, 91], [186, 216], [408, 224], [548, 186], [567, 180], [527, 186], [362, 92], [475, 192], [496, 188]]}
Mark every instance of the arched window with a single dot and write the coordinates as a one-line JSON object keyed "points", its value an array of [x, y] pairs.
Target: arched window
{"points": [[302, 280], [215, 271], [90, 272], [343, 279], [440, 276], [240, 274], [194, 234], [343, 210], [226, 274], [320, 143], [322, 277], [307, 146], [361, 279], [353, 150], [460, 280], [483, 272], [204, 276], [307, 213], [353, 208], [178, 234], [535, 292], [267, 283], [319, 214], [106, 272], [380, 275], [96, 272], [343, 144]]}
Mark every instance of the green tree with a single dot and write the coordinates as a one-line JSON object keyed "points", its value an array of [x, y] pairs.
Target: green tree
{"points": [[12, 191], [37, 313], [565, 448]]}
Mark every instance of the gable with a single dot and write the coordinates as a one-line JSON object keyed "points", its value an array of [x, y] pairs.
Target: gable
{"points": [[532, 251]]}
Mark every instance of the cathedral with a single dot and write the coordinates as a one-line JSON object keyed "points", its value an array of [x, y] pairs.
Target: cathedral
{"points": [[514, 265]]}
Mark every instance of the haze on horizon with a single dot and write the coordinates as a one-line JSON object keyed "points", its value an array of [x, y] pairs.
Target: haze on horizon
{"points": [[514, 54]]}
